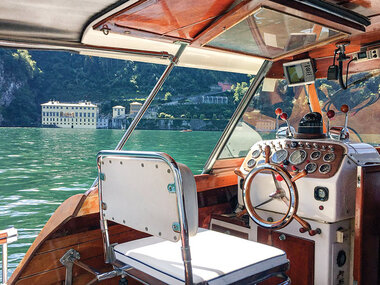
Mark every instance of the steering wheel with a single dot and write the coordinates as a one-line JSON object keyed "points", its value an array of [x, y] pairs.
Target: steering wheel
{"points": [[279, 173]]}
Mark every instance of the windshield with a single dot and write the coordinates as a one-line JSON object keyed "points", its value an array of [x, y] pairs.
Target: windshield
{"points": [[258, 121], [362, 96]]}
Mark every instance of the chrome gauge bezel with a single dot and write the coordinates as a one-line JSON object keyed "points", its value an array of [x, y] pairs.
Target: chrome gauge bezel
{"points": [[256, 153], [329, 160], [291, 160], [319, 155], [314, 165], [282, 160], [252, 162], [323, 165]]}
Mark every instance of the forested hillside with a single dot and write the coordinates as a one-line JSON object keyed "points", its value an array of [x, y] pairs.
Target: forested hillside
{"points": [[29, 78]]}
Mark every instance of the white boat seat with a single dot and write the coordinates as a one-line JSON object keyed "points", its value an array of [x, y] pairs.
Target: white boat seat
{"points": [[216, 258], [151, 193]]}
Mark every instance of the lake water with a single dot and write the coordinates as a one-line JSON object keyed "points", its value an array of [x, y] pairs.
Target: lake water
{"points": [[40, 168]]}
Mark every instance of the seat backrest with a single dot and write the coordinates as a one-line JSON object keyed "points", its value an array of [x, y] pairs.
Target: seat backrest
{"points": [[139, 190]]}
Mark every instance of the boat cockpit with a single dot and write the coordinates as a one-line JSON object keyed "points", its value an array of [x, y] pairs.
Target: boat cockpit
{"points": [[289, 194]]}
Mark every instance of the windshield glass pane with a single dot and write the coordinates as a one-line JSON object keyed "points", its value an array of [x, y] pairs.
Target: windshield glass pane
{"points": [[259, 120], [362, 96], [270, 33]]}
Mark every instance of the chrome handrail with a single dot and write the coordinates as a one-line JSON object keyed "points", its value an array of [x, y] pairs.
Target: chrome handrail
{"points": [[6, 237]]}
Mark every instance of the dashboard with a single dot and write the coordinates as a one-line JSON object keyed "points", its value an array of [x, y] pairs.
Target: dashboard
{"points": [[321, 159]]}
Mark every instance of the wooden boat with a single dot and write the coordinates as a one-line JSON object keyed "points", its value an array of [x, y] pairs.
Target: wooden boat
{"points": [[323, 189]]}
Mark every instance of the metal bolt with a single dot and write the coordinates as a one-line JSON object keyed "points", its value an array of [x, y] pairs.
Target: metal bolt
{"points": [[270, 219]]}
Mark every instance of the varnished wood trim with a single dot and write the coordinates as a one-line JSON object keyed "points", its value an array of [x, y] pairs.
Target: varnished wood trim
{"points": [[49, 260], [232, 232], [231, 220], [227, 21], [367, 232], [91, 204], [3, 238], [204, 215], [206, 181], [65, 211], [131, 7], [231, 163], [313, 46]]}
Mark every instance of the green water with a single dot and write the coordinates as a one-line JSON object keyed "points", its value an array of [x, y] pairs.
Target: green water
{"points": [[40, 168]]}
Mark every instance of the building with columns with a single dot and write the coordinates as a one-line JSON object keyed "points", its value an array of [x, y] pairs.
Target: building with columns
{"points": [[69, 115]]}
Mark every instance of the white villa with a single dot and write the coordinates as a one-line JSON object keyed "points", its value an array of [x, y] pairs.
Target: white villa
{"points": [[69, 115]]}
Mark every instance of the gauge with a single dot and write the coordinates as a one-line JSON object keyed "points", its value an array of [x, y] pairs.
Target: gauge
{"points": [[325, 168], [329, 157], [279, 156], [315, 155], [311, 167], [261, 161], [297, 157], [251, 163], [321, 193], [256, 153]]}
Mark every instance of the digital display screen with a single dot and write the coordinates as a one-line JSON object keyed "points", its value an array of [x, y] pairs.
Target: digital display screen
{"points": [[299, 72], [362, 55], [295, 74]]}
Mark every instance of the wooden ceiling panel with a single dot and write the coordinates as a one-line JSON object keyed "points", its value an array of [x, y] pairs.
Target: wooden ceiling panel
{"points": [[181, 19]]}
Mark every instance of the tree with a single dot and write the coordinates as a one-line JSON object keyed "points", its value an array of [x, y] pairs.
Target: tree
{"points": [[168, 96]]}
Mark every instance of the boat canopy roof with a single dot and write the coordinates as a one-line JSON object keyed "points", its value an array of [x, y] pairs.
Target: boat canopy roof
{"points": [[227, 35]]}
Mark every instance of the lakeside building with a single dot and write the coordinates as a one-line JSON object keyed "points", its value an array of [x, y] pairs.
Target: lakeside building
{"points": [[118, 117], [134, 108], [69, 115], [118, 111], [214, 99], [103, 122]]}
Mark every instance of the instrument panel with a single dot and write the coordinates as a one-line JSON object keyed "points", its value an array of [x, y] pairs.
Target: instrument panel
{"points": [[321, 159]]}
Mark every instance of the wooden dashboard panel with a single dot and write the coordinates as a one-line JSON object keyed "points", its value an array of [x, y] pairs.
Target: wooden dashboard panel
{"points": [[317, 152]]}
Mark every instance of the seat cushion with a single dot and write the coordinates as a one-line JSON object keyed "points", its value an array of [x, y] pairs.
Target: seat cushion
{"points": [[216, 258]]}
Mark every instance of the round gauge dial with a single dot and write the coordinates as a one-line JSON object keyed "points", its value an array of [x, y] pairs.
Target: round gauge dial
{"points": [[315, 155], [256, 153], [251, 163], [279, 156], [297, 157], [325, 168], [311, 167], [329, 157]]}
